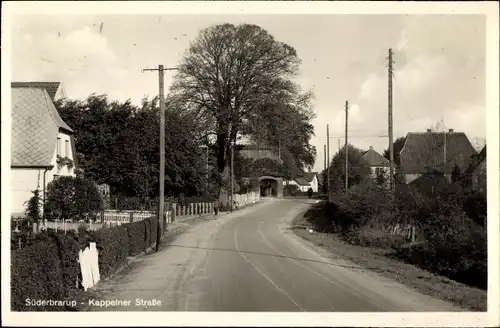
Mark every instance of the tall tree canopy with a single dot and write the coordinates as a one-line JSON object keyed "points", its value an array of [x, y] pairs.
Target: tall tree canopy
{"points": [[358, 169], [117, 143], [238, 81]]}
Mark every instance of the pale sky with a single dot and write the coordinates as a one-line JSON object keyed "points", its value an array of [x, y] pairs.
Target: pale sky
{"points": [[439, 64]]}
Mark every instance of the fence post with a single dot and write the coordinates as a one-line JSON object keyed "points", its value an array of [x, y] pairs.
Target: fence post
{"points": [[173, 213], [131, 217]]}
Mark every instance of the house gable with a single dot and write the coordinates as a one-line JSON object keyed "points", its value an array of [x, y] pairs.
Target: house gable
{"points": [[310, 176], [374, 159], [35, 127], [426, 150]]}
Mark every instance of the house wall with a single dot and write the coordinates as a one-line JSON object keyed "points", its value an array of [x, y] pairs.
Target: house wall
{"points": [[65, 150], [24, 180], [314, 184], [410, 177], [374, 170]]}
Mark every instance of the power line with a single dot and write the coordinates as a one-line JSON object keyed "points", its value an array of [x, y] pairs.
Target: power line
{"points": [[367, 136]]}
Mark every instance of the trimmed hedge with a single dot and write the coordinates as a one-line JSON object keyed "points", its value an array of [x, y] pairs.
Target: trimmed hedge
{"points": [[36, 274], [48, 269]]}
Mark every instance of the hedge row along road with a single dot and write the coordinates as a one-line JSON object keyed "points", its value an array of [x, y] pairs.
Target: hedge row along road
{"points": [[49, 271], [251, 260]]}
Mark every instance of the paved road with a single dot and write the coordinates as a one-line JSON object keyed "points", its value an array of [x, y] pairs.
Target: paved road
{"points": [[250, 260]]}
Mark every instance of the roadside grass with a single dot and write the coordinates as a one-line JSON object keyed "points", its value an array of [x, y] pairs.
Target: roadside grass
{"points": [[383, 262]]}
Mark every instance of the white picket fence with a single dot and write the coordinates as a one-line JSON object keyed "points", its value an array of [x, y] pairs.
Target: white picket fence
{"points": [[245, 199], [111, 218]]}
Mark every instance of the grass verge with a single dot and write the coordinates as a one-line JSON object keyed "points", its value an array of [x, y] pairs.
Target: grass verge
{"points": [[381, 261]]}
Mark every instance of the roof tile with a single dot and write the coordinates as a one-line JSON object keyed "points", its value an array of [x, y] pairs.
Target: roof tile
{"points": [[51, 87], [375, 159], [35, 124], [426, 150]]}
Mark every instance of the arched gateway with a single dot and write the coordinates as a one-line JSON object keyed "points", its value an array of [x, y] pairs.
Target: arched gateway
{"points": [[267, 183]]}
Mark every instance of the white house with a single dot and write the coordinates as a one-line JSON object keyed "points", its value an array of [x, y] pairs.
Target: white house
{"points": [[43, 145], [309, 180]]}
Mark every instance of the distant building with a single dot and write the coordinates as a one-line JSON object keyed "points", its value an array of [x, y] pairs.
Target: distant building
{"points": [[303, 183], [424, 151], [476, 172], [378, 163], [257, 152]]}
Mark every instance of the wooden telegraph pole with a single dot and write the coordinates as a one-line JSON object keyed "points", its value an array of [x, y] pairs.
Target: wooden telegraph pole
{"points": [[391, 146], [328, 159], [232, 175], [161, 195], [345, 148]]}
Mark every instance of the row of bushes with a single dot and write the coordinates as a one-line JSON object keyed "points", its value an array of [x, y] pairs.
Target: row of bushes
{"points": [[450, 226], [48, 268]]}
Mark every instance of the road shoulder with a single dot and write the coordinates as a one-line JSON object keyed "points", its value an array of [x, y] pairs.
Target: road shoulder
{"points": [[380, 262]]}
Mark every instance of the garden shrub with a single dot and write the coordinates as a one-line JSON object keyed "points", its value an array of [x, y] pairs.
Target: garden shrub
{"points": [[72, 198], [475, 206], [36, 273]]}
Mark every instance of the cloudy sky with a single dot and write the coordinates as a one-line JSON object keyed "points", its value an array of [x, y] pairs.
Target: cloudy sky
{"points": [[439, 64]]}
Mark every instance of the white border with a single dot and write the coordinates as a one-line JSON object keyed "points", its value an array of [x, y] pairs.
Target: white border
{"points": [[490, 318]]}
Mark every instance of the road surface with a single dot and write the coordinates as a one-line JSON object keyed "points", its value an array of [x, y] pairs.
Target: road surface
{"points": [[251, 260]]}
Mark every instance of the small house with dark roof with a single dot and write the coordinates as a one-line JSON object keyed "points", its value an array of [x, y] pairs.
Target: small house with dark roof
{"points": [[43, 145], [442, 151], [378, 163]]}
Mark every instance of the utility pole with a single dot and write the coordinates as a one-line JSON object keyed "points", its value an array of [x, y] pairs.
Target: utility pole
{"points": [[161, 195], [345, 149], [328, 158], [324, 158], [232, 175], [324, 167], [391, 146]]}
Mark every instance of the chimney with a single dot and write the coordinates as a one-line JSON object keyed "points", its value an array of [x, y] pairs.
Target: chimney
{"points": [[371, 147], [429, 130], [450, 130]]}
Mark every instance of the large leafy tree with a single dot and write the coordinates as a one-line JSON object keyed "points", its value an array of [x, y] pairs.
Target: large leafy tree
{"points": [[357, 172], [233, 76], [117, 144]]}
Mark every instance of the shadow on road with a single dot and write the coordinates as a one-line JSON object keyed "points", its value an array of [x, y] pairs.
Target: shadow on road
{"points": [[266, 254]]}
